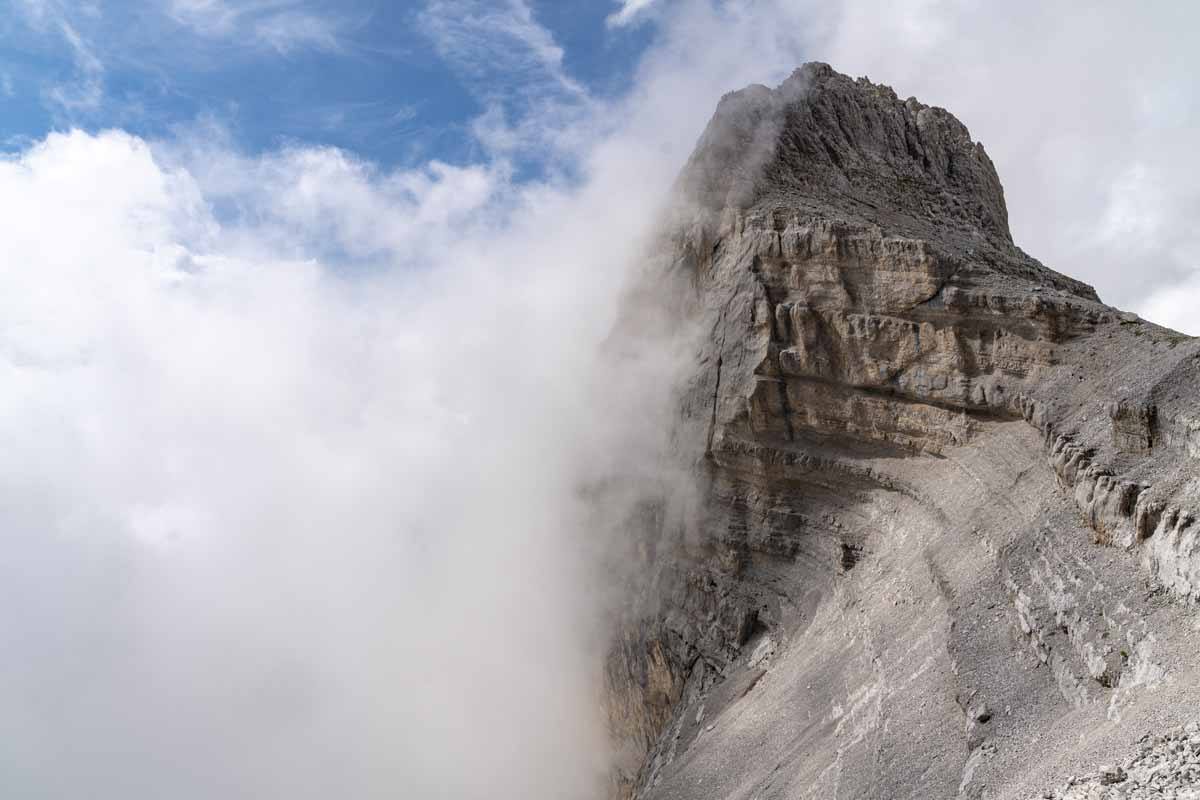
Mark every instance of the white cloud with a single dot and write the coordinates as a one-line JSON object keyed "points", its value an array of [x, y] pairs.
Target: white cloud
{"points": [[37, 11], [323, 200], [492, 41], [1176, 305], [87, 91], [262, 496], [287, 32], [629, 11], [283, 26], [290, 489], [297, 444], [208, 16], [514, 65], [293, 450]]}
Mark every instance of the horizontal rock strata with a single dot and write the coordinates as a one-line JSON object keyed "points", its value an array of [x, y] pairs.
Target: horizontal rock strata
{"points": [[940, 538]]}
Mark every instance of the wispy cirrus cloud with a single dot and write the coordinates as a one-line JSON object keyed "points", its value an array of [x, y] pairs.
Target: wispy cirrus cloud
{"points": [[629, 12], [513, 64], [283, 26], [490, 42], [86, 90], [371, 117]]}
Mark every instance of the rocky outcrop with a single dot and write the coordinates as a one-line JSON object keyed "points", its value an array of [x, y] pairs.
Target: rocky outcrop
{"points": [[939, 539], [1164, 766]]}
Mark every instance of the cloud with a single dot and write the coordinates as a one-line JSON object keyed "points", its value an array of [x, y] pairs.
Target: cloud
{"points": [[258, 537], [514, 65], [86, 92], [295, 450], [37, 12], [291, 490], [292, 493], [1175, 306], [287, 32], [306, 201], [372, 121], [489, 41], [629, 11], [282, 26]]}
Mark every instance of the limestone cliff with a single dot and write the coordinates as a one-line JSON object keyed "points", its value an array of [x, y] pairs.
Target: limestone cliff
{"points": [[946, 540]]}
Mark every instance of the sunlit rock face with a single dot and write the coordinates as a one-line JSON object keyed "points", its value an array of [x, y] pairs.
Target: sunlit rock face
{"points": [[942, 532]]}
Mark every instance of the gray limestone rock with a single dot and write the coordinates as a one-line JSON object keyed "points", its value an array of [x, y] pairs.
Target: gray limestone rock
{"points": [[940, 534]]}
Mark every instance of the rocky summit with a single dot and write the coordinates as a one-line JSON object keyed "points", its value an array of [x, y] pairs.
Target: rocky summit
{"points": [[939, 534]]}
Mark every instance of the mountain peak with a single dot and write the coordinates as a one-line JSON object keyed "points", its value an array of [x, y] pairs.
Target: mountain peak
{"points": [[835, 146]]}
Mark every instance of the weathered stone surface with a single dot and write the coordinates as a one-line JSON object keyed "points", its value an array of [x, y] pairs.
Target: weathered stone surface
{"points": [[939, 538], [1133, 426], [1164, 766]]}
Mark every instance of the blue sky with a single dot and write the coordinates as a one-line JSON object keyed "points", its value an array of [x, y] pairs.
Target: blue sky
{"points": [[398, 83]]}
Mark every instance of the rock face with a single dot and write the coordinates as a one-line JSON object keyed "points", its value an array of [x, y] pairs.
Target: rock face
{"points": [[941, 537]]}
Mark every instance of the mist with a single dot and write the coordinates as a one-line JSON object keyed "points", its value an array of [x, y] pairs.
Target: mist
{"points": [[296, 451], [295, 447], [275, 527]]}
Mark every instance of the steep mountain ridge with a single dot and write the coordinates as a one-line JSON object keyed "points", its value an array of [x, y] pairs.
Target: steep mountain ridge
{"points": [[941, 537]]}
